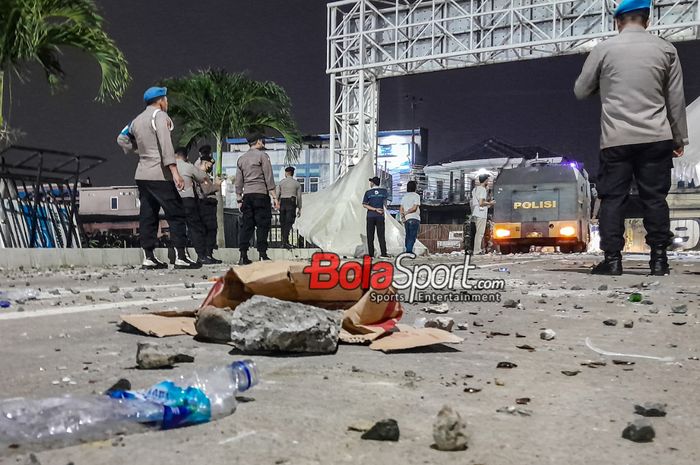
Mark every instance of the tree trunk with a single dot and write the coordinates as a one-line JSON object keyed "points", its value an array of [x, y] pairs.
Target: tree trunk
{"points": [[2, 94], [220, 241]]}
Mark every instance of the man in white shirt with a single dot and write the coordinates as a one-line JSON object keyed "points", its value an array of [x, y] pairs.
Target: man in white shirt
{"points": [[480, 208], [410, 214]]}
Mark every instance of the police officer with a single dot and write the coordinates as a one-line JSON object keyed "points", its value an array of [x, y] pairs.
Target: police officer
{"points": [[255, 185], [208, 202], [639, 78], [194, 178], [158, 179], [289, 195], [374, 201]]}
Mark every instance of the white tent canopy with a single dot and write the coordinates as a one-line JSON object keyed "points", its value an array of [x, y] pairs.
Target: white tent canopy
{"points": [[687, 168], [335, 220]]}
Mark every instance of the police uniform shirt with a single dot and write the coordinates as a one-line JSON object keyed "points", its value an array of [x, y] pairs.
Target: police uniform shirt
{"points": [[289, 187], [192, 176], [640, 82], [375, 197], [254, 173], [208, 190], [153, 162]]}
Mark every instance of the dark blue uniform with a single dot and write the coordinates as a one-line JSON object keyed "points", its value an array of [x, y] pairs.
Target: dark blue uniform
{"points": [[375, 197]]}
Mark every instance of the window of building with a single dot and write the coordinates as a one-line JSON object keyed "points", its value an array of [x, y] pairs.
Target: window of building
{"points": [[313, 184], [114, 203], [301, 180]]}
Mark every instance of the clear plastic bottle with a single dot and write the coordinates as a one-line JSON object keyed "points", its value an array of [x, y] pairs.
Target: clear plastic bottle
{"points": [[207, 394], [19, 294]]}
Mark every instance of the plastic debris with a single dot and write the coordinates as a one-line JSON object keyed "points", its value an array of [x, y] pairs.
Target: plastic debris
{"points": [[616, 354], [635, 297]]}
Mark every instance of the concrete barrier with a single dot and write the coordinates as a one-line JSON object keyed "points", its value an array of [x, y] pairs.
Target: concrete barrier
{"points": [[58, 258]]}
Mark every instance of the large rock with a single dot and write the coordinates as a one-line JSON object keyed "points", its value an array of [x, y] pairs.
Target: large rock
{"points": [[214, 324], [449, 431], [639, 431], [150, 355], [384, 430], [263, 324]]}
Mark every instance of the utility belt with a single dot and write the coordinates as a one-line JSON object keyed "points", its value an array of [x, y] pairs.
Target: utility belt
{"points": [[288, 202]]}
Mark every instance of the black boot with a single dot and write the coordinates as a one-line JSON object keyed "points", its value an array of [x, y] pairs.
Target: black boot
{"points": [[244, 260], [263, 256], [658, 262], [611, 265]]}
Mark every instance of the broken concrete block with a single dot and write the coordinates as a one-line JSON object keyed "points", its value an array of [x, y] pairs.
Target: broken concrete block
{"points": [[267, 324], [651, 409], [441, 322], [449, 431], [150, 355], [440, 308], [214, 324]]}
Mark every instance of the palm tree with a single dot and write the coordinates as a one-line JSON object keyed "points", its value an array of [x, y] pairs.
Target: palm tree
{"points": [[212, 104], [35, 31]]}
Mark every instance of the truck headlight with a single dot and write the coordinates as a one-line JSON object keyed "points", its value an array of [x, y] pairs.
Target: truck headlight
{"points": [[502, 232], [567, 231]]}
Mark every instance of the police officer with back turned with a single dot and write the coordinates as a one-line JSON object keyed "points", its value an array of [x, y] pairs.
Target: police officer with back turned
{"points": [[289, 195], [208, 201], [255, 187], [639, 78], [157, 179]]}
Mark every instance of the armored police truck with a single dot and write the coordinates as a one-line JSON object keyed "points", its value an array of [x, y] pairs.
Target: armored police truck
{"points": [[542, 204]]}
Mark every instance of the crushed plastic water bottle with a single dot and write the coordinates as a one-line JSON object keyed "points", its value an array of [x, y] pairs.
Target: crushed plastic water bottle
{"points": [[20, 294], [206, 395], [4, 304], [503, 270]]}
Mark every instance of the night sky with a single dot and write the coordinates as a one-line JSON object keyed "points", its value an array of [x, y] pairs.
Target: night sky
{"points": [[526, 103]]}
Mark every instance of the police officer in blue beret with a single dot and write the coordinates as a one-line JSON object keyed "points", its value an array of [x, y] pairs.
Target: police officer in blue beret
{"points": [[643, 126], [158, 179]]}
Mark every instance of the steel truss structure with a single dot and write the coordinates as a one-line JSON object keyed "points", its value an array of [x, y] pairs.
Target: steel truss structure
{"points": [[368, 40]]}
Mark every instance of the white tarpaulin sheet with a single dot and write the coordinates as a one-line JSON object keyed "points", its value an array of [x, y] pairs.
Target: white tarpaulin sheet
{"points": [[687, 168], [335, 220]]}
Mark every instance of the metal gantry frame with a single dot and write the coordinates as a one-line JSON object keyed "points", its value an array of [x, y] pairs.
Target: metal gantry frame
{"points": [[368, 40]]}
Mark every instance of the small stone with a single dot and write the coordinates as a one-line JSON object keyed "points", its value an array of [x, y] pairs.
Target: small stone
{"points": [[541, 301], [441, 322], [462, 326], [515, 411], [74, 291], [646, 302], [576, 288], [409, 374], [628, 324], [610, 322], [683, 308], [33, 460], [384, 430], [127, 295], [578, 307], [449, 431], [506, 365], [478, 323], [570, 373], [113, 289], [603, 287], [510, 303], [654, 310], [140, 289], [189, 285], [150, 355], [55, 292], [651, 409], [548, 334], [639, 430]]}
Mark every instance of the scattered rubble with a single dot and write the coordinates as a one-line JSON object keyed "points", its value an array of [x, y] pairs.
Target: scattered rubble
{"points": [[113, 289], [603, 287], [510, 303], [639, 430], [266, 324], [150, 355], [462, 326], [384, 430], [682, 308], [548, 334], [449, 431], [610, 322], [651, 409], [628, 324]]}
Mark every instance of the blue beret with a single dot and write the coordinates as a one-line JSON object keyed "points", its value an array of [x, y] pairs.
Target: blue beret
{"points": [[626, 6], [154, 92]]}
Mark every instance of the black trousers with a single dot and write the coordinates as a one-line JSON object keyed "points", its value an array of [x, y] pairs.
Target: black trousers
{"points": [[153, 196], [650, 164], [195, 226], [378, 223], [256, 212], [207, 211], [288, 213]]}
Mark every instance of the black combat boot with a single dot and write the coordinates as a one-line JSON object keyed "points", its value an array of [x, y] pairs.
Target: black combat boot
{"points": [[244, 260], [658, 262], [264, 257], [611, 265]]}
